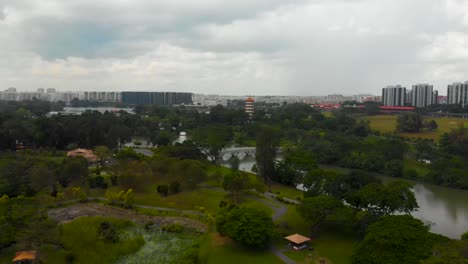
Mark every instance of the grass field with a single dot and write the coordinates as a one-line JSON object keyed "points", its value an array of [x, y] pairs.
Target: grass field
{"points": [[82, 244], [286, 191], [217, 249], [187, 200], [388, 123], [329, 243]]}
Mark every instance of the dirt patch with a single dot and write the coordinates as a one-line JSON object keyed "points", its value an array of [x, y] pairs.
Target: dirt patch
{"points": [[67, 214], [219, 240]]}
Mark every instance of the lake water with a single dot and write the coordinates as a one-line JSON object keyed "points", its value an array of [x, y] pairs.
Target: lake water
{"points": [[444, 209]]}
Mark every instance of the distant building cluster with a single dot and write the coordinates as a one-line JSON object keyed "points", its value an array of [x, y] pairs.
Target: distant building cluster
{"points": [[49, 94], [457, 93], [130, 98], [157, 98], [421, 95]]}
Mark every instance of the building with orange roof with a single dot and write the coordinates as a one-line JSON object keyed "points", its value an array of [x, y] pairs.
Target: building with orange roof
{"points": [[298, 242], [85, 153], [25, 257]]}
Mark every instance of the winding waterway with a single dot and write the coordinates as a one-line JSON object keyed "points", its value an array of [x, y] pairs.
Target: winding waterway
{"points": [[444, 209]]}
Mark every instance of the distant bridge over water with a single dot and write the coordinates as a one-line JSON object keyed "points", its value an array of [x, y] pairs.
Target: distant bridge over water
{"points": [[240, 152]]}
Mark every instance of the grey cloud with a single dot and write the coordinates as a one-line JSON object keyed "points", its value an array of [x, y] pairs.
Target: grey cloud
{"points": [[267, 46]]}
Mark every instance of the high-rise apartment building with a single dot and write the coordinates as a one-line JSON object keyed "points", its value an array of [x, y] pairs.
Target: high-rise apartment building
{"points": [[457, 93], [394, 95], [422, 95]]}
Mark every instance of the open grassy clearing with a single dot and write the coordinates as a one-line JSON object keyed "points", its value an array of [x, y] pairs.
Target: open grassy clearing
{"points": [[334, 245], [187, 200], [217, 249], [388, 123], [286, 191], [83, 242]]}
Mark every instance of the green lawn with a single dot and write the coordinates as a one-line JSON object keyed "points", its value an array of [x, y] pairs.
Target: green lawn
{"points": [[412, 164], [217, 249], [328, 242], [187, 200], [388, 123], [82, 243], [286, 191]]}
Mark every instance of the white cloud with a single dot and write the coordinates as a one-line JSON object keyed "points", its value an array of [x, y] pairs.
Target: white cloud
{"points": [[166, 67], [235, 47], [451, 46]]}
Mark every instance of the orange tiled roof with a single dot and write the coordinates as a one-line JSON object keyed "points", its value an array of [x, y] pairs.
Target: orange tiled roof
{"points": [[298, 239], [25, 255], [86, 153], [250, 99]]}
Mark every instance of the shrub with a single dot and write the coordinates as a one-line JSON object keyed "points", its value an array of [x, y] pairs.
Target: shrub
{"points": [[464, 236], [163, 189], [123, 198], [108, 233], [411, 174], [97, 182], [174, 187], [173, 228], [252, 227]]}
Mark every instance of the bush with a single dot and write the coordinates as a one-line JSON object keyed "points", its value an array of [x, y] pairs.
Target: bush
{"points": [[174, 187], [97, 182], [464, 236], [173, 228], [163, 189], [252, 227], [411, 174], [108, 233], [123, 198]]}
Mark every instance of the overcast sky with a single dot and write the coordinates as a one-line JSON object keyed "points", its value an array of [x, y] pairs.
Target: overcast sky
{"points": [[238, 47]]}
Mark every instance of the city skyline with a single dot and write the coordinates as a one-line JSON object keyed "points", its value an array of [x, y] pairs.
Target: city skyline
{"points": [[253, 47]]}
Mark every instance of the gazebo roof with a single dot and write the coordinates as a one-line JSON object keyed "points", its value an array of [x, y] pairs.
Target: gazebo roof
{"points": [[25, 255], [297, 239]]}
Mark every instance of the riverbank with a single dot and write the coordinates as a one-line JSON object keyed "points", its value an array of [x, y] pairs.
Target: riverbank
{"points": [[444, 209]]}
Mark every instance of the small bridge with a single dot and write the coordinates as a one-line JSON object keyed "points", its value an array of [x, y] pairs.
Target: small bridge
{"points": [[240, 152]]}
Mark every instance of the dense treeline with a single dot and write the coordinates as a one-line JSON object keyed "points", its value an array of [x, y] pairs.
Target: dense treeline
{"points": [[343, 139]]}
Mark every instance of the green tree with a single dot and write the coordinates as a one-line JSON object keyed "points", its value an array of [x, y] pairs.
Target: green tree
{"points": [[319, 182], [73, 169], [236, 183], [385, 199], [103, 152], [316, 209], [432, 125], [448, 251], [234, 163], [409, 122], [395, 239], [265, 155], [286, 173], [250, 226], [41, 177], [212, 139], [464, 236]]}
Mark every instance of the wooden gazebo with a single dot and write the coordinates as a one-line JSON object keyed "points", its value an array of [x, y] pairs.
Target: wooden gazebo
{"points": [[298, 242]]}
